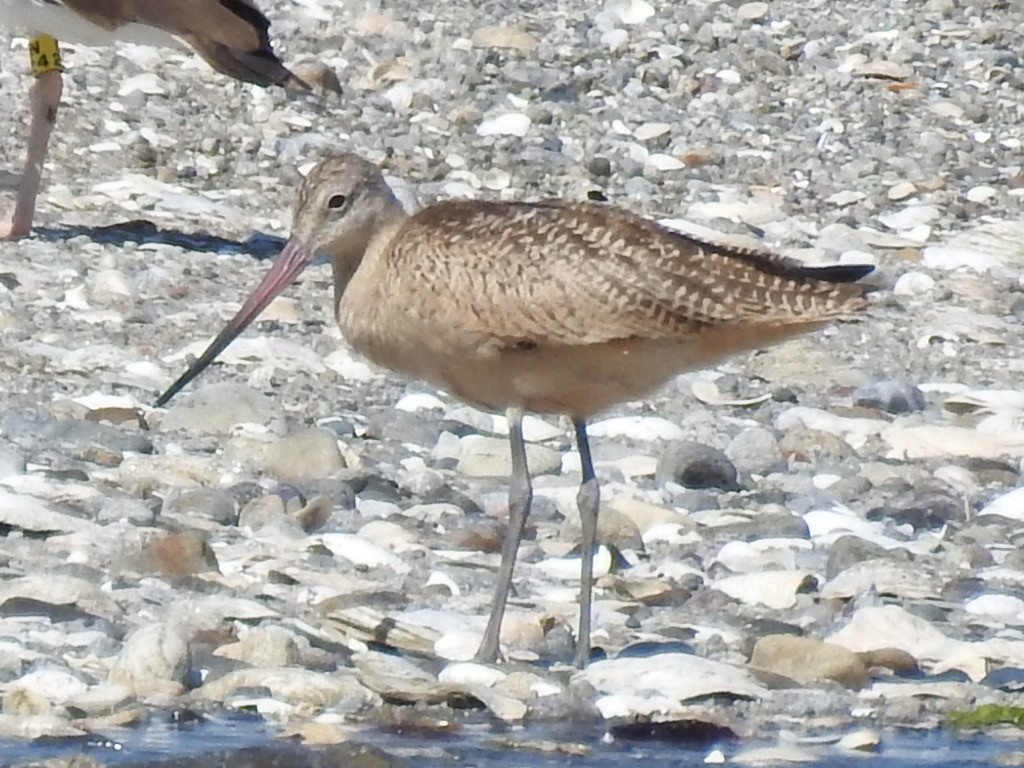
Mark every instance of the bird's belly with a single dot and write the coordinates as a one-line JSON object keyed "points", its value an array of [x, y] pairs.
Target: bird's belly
{"points": [[33, 17], [576, 380]]}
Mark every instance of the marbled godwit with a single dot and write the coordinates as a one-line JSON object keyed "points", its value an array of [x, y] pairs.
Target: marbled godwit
{"points": [[555, 307], [231, 35]]}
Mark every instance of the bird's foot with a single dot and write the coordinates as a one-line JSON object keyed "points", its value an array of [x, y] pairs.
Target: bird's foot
{"points": [[13, 226]]}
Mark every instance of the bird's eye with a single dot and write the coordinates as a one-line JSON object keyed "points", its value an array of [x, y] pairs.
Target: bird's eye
{"points": [[336, 201]]}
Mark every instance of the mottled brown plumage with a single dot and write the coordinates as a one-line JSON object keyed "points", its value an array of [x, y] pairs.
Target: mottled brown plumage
{"points": [[552, 307]]}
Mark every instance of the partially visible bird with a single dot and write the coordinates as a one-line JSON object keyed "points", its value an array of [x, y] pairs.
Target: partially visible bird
{"points": [[231, 35], [554, 307]]}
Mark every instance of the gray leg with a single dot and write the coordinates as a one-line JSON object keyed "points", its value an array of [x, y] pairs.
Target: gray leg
{"points": [[589, 501], [520, 496]]}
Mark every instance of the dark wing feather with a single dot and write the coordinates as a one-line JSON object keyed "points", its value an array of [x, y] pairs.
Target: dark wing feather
{"points": [[231, 35]]}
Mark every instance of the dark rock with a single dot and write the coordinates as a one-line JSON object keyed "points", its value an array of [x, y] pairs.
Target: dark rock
{"points": [[891, 397], [850, 550], [761, 527], [405, 427], [921, 508], [695, 465]]}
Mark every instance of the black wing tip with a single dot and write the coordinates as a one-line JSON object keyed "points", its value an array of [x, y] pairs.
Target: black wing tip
{"points": [[839, 273]]}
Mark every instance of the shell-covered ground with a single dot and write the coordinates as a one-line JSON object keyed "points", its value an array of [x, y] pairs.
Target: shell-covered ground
{"points": [[804, 545]]}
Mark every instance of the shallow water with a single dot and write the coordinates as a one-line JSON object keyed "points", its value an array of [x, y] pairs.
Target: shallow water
{"points": [[210, 744]]}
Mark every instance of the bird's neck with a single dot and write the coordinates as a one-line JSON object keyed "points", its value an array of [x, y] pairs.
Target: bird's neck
{"points": [[360, 261]]}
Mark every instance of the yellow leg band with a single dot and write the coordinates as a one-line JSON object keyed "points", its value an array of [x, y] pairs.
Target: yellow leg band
{"points": [[44, 53]]}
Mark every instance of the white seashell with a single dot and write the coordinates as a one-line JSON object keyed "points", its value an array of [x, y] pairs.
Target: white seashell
{"points": [[96, 400], [535, 430], [568, 568], [148, 83], [640, 428], [980, 194], [663, 162], [913, 284], [341, 362], [648, 131], [774, 589], [496, 179], [729, 76], [1003, 607], [615, 39], [419, 401], [709, 394], [1009, 505], [909, 217], [438, 579], [360, 551], [667, 681], [844, 198], [507, 124], [399, 96], [901, 190], [861, 740], [630, 12], [986, 401], [460, 645], [468, 673]]}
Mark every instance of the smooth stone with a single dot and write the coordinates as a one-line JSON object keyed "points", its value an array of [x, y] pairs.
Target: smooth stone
{"points": [[755, 451], [896, 397], [153, 660], [922, 508], [808, 660], [491, 457], [263, 647], [12, 462], [501, 36], [216, 409], [849, 550], [304, 455], [212, 504], [340, 690], [179, 556], [55, 596], [265, 511], [407, 426], [883, 576], [646, 516], [890, 626], [397, 679], [662, 683], [695, 465], [764, 526], [754, 11], [913, 284], [28, 513], [51, 685], [901, 190], [774, 589]]}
